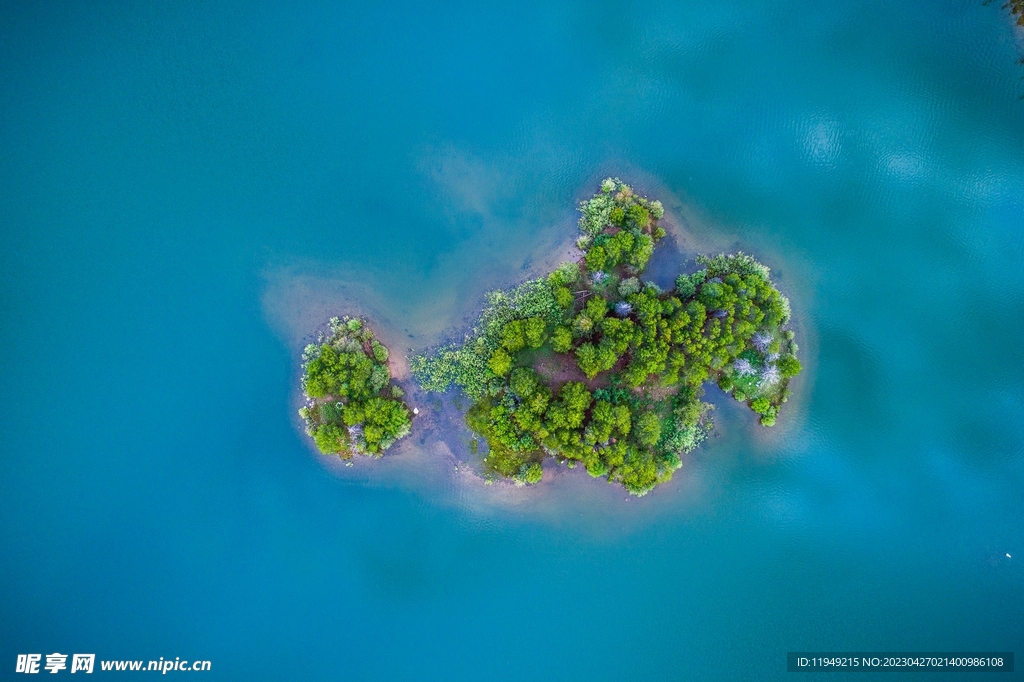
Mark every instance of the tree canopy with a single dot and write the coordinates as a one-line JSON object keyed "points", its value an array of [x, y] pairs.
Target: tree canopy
{"points": [[642, 354], [351, 406]]}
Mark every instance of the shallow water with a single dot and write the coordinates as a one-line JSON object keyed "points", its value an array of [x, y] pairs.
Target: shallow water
{"points": [[187, 191]]}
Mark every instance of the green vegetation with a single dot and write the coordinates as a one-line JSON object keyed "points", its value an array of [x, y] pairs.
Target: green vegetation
{"points": [[632, 358], [469, 365], [351, 405]]}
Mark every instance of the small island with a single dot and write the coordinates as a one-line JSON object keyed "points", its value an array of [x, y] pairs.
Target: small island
{"points": [[352, 407], [592, 365]]}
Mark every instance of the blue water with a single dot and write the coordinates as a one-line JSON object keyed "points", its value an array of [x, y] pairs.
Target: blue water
{"points": [[188, 189]]}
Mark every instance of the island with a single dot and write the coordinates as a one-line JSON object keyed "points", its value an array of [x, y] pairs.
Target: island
{"points": [[591, 365], [594, 366], [352, 407]]}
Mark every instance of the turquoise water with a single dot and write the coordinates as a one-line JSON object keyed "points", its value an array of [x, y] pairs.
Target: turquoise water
{"points": [[187, 190]]}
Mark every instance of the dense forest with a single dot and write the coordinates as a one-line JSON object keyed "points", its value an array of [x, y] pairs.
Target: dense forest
{"points": [[351, 405], [594, 366]]}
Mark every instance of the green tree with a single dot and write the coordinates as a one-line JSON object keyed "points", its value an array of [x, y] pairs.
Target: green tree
{"points": [[561, 339], [647, 430], [628, 287], [619, 333], [500, 362], [387, 420], [330, 439], [575, 398], [789, 366], [524, 381], [512, 337], [379, 378], [642, 251], [638, 216], [587, 360], [532, 473], [354, 414], [562, 296], [534, 332], [564, 275], [686, 285], [582, 325], [760, 405], [596, 308]]}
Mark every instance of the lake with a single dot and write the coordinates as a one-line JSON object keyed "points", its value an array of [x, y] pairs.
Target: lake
{"points": [[189, 190]]}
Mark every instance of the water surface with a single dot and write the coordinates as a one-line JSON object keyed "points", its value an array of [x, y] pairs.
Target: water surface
{"points": [[188, 190]]}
